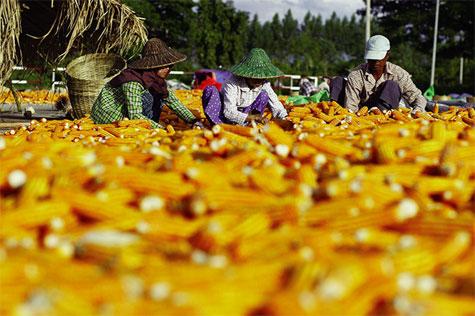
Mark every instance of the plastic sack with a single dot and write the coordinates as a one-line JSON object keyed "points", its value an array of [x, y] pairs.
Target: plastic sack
{"points": [[429, 93], [320, 96], [297, 100]]}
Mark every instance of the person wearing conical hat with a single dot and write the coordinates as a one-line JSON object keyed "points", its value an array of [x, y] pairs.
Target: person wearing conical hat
{"points": [[246, 94], [140, 91]]}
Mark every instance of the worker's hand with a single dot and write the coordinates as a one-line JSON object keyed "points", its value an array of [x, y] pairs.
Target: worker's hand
{"points": [[198, 125], [375, 110], [416, 112], [286, 124], [254, 117]]}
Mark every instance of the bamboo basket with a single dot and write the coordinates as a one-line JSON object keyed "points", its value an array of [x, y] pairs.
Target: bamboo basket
{"points": [[86, 76]]}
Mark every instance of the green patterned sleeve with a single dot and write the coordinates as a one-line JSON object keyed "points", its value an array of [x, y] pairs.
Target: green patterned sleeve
{"points": [[133, 98], [176, 106]]}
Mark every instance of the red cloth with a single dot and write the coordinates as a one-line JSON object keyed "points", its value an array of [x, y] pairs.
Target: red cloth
{"points": [[209, 82]]}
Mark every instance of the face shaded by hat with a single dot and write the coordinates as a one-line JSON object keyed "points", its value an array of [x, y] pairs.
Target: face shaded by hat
{"points": [[156, 54], [257, 65], [152, 69]]}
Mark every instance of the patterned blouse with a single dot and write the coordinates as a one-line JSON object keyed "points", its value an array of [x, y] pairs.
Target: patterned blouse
{"points": [[115, 104], [307, 88], [361, 84], [237, 94]]}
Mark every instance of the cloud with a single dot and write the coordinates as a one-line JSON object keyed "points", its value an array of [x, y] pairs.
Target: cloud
{"points": [[265, 9]]}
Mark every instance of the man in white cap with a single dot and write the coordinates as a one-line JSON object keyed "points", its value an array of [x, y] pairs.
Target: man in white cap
{"points": [[377, 83]]}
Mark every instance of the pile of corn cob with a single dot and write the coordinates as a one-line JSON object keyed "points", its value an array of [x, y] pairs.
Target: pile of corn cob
{"points": [[31, 97], [331, 213]]}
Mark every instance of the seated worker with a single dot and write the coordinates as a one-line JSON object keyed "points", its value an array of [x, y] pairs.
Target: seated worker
{"points": [[207, 79], [325, 84], [306, 87], [246, 94], [377, 83], [140, 91]]}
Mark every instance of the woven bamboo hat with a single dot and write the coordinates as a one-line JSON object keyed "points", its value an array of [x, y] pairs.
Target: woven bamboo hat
{"points": [[256, 64], [156, 54]]}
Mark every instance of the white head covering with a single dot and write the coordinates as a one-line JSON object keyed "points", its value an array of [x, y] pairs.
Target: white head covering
{"points": [[376, 47]]}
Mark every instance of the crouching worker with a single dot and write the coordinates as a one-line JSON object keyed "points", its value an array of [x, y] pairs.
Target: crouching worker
{"points": [[140, 91], [246, 94], [377, 83]]}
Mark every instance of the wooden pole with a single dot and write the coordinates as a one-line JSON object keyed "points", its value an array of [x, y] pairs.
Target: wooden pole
{"points": [[434, 48], [368, 20], [15, 95]]}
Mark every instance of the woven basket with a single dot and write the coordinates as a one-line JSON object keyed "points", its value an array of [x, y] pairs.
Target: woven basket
{"points": [[86, 76]]}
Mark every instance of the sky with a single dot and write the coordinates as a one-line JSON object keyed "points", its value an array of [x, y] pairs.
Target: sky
{"points": [[266, 9]]}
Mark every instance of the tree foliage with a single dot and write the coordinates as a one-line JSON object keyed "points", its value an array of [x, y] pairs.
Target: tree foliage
{"points": [[410, 27], [213, 33]]}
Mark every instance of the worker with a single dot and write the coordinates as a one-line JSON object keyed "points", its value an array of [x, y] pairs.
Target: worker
{"points": [[140, 91], [306, 87], [377, 83], [246, 94], [207, 79]]}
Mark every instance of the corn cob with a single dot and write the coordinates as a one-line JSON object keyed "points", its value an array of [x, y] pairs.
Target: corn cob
{"points": [[33, 216], [258, 213]]}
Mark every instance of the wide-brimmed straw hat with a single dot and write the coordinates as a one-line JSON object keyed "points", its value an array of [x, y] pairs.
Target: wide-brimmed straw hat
{"points": [[156, 54], [256, 64]]}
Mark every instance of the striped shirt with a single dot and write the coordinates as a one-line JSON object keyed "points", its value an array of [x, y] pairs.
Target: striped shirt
{"points": [[361, 84], [307, 88], [125, 101], [238, 95]]}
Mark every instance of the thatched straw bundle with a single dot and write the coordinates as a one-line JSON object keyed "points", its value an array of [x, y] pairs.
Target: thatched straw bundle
{"points": [[10, 29], [102, 26], [115, 25]]}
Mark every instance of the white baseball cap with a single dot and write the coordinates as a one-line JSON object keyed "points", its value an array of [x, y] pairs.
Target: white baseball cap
{"points": [[376, 47]]}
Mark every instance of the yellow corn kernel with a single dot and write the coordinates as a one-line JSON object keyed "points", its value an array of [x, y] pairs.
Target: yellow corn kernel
{"points": [[414, 260], [396, 114], [331, 146], [277, 136], [303, 151], [386, 152], [438, 131], [268, 180], [166, 184], [35, 215], [240, 130], [362, 111], [304, 276], [91, 207], [35, 188]]}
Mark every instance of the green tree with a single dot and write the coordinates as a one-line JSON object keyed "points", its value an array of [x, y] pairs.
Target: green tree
{"points": [[214, 33], [410, 27], [239, 36], [309, 45], [168, 20], [219, 33], [355, 38], [205, 35], [267, 39], [174, 21], [276, 37], [290, 32], [255, 34]]}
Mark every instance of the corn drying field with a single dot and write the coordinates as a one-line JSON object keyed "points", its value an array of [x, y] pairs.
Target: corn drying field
{"points": [[31, 97], [331, 213]]}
